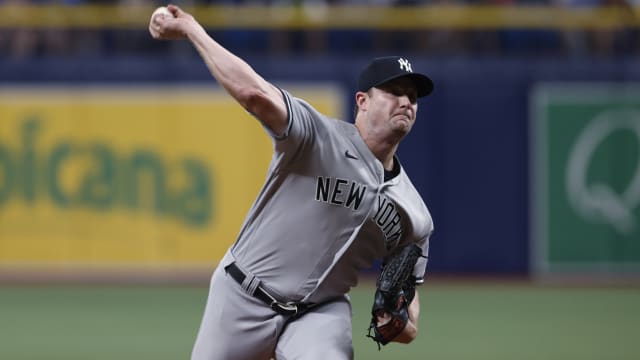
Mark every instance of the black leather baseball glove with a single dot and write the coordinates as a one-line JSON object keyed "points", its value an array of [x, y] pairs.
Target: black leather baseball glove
{"points": [[395, 290]]}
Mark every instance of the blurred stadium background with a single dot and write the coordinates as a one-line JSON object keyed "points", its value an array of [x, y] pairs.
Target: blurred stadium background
{"points": [[125, 172]]}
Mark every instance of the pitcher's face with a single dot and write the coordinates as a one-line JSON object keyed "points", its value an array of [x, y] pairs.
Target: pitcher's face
{"points": [[392, 106]]}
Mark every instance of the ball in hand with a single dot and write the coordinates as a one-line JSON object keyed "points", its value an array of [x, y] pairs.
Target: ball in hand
{"points": [[162, 11]]}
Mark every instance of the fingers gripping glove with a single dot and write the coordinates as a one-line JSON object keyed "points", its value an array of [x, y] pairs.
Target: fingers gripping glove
{"points": [[395, 290]]}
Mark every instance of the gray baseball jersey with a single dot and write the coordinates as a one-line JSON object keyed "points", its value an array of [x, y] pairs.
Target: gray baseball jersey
{"points": [[324, 214]]}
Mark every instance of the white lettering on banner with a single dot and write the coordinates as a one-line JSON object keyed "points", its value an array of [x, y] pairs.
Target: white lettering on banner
{"points": [[405, 64], [599, 201]]}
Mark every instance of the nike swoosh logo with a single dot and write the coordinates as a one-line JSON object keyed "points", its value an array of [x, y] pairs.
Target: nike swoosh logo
{"points": [[349, 155]]}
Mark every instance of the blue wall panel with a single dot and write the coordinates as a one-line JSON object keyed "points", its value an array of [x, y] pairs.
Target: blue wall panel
{"points": [[468, 153]]}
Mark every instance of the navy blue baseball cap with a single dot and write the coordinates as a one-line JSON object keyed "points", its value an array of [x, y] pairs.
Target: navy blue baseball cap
{"points": [[387, 68]]}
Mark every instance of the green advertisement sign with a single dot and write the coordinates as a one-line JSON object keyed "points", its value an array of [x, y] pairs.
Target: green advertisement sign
{"points": [[585, 179]]}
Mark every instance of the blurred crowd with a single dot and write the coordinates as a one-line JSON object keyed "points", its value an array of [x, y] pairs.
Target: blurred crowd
{"points": [[623, 40]]}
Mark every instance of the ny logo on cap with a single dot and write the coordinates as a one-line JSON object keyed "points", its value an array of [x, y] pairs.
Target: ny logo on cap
{"points": [[405, 64]]}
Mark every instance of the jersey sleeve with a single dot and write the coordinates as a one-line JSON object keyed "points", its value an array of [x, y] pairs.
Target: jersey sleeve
{"points": [[420, 268], [287, 100], [304, 125]]}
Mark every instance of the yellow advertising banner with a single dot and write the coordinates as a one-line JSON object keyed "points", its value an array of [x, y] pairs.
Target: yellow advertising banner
{"points": [[129, 177]]}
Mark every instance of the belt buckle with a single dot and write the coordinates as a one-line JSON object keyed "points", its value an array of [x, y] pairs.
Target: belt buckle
{"points": [[285, 308]]}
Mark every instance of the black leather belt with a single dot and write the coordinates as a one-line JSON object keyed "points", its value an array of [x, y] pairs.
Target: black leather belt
{"points": [[288, 308]]}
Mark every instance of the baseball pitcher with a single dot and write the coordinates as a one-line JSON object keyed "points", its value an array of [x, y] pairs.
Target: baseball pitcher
{"points": [[336, 199]]}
